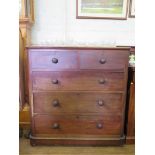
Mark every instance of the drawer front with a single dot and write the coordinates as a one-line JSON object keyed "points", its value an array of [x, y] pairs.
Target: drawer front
{"points": [[88, 80], [103, 59], [74, 124], [53, 60], [78, 102]]}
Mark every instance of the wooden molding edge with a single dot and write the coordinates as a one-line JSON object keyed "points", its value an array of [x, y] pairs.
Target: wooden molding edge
{"points": [[25, 21], [74, 141], [76, 138], [130, 140]]}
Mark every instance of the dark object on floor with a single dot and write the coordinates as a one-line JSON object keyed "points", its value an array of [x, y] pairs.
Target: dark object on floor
{"points": [[20, 132], [27, 134]]}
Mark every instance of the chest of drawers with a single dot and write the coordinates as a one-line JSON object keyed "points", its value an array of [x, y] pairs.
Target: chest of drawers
{"points": [[77, 95]]}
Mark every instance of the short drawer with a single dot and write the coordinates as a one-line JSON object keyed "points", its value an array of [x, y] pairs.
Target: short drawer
{"points": [[77, 124], [53, 60], [86, 80], [103, 59], [78, 102]]}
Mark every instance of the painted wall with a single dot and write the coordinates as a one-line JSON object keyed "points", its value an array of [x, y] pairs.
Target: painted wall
{"points": [[56, 23]]}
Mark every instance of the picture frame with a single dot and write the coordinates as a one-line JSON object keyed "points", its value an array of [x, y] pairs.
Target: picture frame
{"points": [[101, 9], [132, 9]]}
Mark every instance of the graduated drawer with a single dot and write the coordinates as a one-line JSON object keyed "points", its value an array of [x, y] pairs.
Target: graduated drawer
{"points": [[103, 59], [76, 124], [78, 102], [80, 80], [53, 60]]}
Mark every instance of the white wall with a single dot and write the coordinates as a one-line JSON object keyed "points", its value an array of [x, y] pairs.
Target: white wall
{"points": [[55, 22]]}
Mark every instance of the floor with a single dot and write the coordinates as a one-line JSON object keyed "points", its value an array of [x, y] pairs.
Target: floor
{"points": [[26, 149]]}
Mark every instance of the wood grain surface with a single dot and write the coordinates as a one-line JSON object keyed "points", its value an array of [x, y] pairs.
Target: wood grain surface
{"points": [[78, 102], [26, 149], [77, 96]]}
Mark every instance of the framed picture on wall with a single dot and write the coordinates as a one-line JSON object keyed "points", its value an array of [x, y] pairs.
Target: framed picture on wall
{"points": [[101, 9], [132, 8]]}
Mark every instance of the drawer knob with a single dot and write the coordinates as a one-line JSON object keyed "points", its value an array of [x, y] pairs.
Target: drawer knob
{"points": [[99, 125], [55, 103], [55, 81], [102, 81], [55, 126], [102, 61], [55, 60], [100, 102]]}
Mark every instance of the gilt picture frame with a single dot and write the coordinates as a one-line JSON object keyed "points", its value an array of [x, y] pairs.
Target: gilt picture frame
{"points": [[101, 9], [132, 9]]}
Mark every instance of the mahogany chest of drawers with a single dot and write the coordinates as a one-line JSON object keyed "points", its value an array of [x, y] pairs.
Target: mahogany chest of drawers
{"points": [[77, 95]]}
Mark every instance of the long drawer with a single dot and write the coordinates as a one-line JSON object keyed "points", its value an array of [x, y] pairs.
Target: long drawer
{"points": [[78, 102], [82, 80], [77, 124]]}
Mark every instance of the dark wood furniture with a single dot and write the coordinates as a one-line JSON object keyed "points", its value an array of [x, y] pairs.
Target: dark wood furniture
{"points": [[77, 95], [130, 108]]}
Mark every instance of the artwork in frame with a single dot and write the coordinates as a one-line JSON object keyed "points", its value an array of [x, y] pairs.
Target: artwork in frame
{"points": [[98, 9], [132, 8]]}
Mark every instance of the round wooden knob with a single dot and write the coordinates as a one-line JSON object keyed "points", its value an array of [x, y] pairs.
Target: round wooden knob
{"points": [[102, 61], [102, 81], [55, 126], [99, 125], [55, 103], [55, 60], [55, 81], [100, 102]]}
